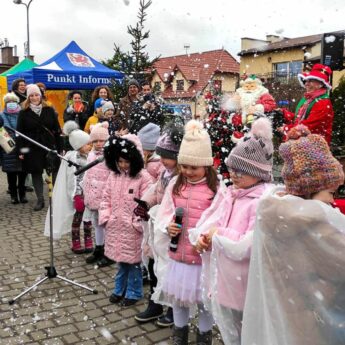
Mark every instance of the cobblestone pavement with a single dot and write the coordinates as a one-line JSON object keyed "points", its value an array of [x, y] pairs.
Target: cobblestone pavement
{"points": [[56, 312]]}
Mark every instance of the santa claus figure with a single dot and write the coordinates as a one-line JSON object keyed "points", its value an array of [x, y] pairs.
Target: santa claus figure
{"points": [[250, 100]]}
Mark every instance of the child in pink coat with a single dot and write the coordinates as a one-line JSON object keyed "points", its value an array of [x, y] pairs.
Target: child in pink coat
{"points": [[167, 148], [226, 229], [192, 190], [149, 136], [93, 182], [123, 229]]}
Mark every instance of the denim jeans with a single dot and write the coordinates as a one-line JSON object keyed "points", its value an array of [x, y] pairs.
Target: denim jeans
{"points": [[129, 281]]}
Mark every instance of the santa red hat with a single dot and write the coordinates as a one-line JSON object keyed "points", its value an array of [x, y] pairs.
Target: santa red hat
{"points": [[319, 72]]}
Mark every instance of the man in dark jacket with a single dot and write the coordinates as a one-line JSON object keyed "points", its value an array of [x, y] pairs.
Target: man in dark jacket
{"points": [[147, 110], [126, 103]]}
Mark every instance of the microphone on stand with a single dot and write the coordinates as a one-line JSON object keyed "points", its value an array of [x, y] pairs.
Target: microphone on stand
{"points": [[178, 220], [89, 166]]}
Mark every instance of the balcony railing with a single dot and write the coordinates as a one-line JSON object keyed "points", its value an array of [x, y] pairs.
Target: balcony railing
{"points": [[278, 77]]}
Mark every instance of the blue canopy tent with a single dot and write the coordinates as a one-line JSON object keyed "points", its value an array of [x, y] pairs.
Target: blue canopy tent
{"points": [[69, 69]]}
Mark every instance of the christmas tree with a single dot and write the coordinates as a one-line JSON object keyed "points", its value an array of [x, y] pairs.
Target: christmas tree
{"points": [[220, 129]]}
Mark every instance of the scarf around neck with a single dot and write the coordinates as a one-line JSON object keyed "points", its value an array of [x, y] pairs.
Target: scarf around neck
{"points": [[37, 109], [310, 97]]}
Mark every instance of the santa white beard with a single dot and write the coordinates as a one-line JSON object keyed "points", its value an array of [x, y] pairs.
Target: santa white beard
{"points": [[249, 98]]}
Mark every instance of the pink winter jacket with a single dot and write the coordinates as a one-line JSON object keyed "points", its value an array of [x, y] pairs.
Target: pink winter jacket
{"points": [[155, 195], [94, 181], [194, 199], [123, 230], [237, 222], [154, 166]]}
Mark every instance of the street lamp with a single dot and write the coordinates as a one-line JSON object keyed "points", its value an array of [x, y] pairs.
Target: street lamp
{"points": [[27, 5]]}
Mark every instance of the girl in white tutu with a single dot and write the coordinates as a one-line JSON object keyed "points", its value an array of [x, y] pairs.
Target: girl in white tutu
{"points": [[193, 189]]}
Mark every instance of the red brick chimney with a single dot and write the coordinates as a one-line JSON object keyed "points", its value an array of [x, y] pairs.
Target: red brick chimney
{"points": [[7, 57]]}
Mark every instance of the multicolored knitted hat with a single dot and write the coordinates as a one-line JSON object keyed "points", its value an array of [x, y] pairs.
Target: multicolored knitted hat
{"points": [[309, 166], [253, 154]]}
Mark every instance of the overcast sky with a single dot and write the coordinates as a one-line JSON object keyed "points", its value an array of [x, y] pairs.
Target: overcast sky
{"points": [[204, 25]]}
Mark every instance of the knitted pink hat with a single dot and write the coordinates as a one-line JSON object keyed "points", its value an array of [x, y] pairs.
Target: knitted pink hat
{"points": [[31, 89], [99, 131], [309, 166]]}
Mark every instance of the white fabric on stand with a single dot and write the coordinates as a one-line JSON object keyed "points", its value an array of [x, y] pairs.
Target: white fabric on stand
{"points": [[62, 199]]}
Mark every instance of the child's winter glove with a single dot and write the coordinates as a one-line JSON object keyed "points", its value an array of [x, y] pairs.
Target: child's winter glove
{"points": [[79, 203], [141, 211]]}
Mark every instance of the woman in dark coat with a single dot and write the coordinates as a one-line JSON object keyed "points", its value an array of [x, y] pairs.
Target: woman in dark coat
{"points": [[39, 122], [19, 88], [77, 109], [11, 164]]}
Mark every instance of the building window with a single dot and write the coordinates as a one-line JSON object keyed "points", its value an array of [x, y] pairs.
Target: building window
{"points": [[180, 85], [217, 84], [157, 87], [286, 69]]}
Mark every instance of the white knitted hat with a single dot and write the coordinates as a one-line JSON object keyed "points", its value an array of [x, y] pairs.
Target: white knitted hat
{"points": [[195, 148], [11, 97], [77, 138]]}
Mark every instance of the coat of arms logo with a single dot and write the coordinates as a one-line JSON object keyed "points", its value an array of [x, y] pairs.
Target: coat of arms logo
{"points": [[80, 60]]}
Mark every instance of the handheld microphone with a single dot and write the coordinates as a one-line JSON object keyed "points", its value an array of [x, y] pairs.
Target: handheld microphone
{"points": [[178, 220], [89, 166]]}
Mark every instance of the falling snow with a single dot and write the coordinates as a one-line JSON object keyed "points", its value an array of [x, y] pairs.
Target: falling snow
{"points": [[330, 39]]}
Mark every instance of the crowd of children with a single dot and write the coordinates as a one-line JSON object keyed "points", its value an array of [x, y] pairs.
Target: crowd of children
{"points": [[133, 199], [262, 262]]}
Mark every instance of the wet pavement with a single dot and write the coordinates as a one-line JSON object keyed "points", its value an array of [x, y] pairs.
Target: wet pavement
{"points": [[56, 312]]}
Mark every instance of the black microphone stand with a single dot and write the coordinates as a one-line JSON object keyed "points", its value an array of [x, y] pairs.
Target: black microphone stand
{"points": [[51, 271]]}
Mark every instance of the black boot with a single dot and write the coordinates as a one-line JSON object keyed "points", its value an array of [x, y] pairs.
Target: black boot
{"points": [[180, 335], [14, 199], [22, 197], [104, 261], [152, 312], [96, 255], [39, 205], [204, 338], [14, 196], [167, 319]]}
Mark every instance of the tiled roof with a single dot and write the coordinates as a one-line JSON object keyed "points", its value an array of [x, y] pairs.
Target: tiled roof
{"points": [[283, 44], [197, 68]]}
